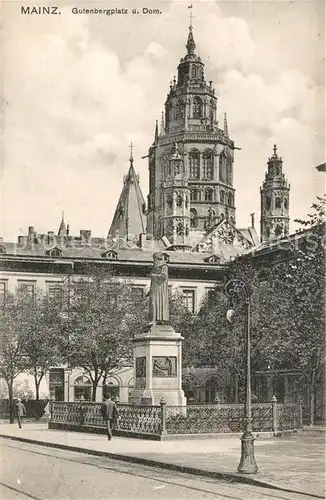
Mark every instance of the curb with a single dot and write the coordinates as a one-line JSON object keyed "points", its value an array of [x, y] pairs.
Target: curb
{"points": [[226, 476]]}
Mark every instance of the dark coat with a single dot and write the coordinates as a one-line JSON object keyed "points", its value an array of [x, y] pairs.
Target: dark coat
{"points": [[20, 409], [109, 410]]}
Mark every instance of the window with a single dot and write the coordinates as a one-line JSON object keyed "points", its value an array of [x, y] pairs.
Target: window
{"points": [[169, 201], [286, 203], [197, 108], [54, 291], [278, 230], [54, 252], [194, 164], [180, 229], [179, 201], [2, 250], [138, 291], [3, 290], [179, 110], [222, 168], [230, 200], [189, 299], [82, 389], [268, 202], [111, 254], [222, 196], [193, 218], [208, 194], [208, 164], [193, 71], [277, 202], [27, 288], [229, 172], [194, 195]]}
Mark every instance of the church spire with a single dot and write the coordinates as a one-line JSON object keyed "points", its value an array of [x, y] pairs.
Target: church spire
{"points": [[62, 228], [131, 158], [226, 128], [190, 42], [129, 218], [162, 131], [156, 132]]}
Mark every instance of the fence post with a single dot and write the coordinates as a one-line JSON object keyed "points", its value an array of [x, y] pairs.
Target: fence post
{"points": [[163, 416], [81, 415], [274, 413]]}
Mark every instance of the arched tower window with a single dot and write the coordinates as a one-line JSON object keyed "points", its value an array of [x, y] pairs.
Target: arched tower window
{"points": [[278, 230], [208, 194], [179, 201], [268, 202], [179, 110], [222, 197], [193, 71], [208, 165], [222, 167], [229, 171], [180, 229], [193, 218], [286, 203], [194, 164], [278, 202], [194, 195], [197, 107], [230, 200]]}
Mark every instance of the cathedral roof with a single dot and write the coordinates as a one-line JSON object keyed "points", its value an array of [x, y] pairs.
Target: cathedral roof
{"points": [[129, 219]]}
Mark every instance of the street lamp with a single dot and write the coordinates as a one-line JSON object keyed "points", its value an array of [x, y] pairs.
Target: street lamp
{"points": [[237, 291]]}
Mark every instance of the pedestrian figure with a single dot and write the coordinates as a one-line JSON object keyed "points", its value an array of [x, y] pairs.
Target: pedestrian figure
{"points": [[109, 413], [21, 412]]}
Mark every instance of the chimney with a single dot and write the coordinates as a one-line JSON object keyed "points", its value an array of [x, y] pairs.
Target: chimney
{"points": [[21, 240]]}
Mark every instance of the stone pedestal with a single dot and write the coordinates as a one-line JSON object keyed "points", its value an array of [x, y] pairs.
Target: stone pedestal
{"points": [[157, 367]]}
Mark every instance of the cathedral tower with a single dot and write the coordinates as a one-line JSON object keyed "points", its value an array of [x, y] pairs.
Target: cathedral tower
{"points": [[206, 158], [274, 197]]}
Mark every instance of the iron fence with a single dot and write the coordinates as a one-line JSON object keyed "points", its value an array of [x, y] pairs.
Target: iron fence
{"points": [[175, 420]]}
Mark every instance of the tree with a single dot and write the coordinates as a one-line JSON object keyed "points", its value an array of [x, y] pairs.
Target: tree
{"points": [[41, 335], [104, 314], [12, 362], [299, 285]]}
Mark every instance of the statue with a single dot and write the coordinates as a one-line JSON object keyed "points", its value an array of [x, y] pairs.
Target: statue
{"points": [[159, 291]]}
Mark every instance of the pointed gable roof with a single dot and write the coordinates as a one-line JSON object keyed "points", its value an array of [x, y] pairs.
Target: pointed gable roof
{"points": [[225, 241], [129, 219]]}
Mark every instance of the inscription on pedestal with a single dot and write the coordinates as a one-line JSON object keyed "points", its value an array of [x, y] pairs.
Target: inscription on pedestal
{"points": [[164, 366]]}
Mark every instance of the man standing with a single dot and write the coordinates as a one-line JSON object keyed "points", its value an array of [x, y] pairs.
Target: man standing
{"points": [[21, 411], [109, 413]]}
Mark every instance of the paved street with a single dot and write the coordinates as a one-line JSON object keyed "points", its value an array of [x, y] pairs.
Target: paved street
{"points": [[295, 462], [40, 473]]}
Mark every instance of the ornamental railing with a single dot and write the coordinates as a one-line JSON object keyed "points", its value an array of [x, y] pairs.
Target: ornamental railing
{"points": [[163, 420]]}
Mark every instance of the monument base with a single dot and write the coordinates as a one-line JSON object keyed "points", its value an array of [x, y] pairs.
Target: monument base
{"points": [[157, 365]]}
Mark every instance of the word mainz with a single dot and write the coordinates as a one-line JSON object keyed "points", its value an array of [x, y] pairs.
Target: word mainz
{"points": [[109, 12]]}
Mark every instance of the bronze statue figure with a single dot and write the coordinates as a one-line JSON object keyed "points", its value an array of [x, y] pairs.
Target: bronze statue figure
{"points": [[159, 291]]}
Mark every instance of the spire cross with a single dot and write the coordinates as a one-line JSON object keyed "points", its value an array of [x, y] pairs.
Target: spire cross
{"points": [[131, 148], [191, 16], [275, 149]]}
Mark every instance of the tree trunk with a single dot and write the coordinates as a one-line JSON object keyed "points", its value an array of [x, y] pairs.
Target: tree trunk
{"points": [[94, 387], [311, 406], [10, 384]]}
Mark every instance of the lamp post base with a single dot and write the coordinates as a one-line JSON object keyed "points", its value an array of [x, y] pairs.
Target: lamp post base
{"points": [[247, 463]]}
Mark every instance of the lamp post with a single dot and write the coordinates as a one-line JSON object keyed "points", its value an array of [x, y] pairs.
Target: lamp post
{"points": [[237, 291]]}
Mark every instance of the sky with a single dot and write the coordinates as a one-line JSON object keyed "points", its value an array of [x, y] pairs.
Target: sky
{"points": [[78, 88]]}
